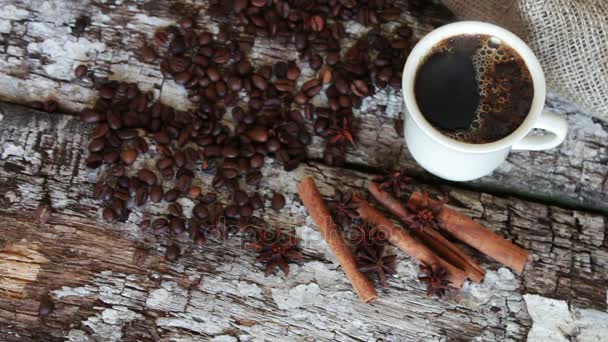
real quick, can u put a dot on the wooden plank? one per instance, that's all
(41, 48)
(111, 282)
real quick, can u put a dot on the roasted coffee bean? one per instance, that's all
(277, 202)
(96, 145)
(163, 163)
(253, 177)
(194, 192)
(273, 145)
(359, 88)
(332, 58)
(171, 195)
(183, 183)
(127, 134)
(175, 209)
(229, 173)
(301, 98)
(141, 196)
(239, 5)
(200, 211)
(293, 72)
(128, 156)
(182, 77)
(311, 87)
(179, 64)
(291, 165)
(284, 85)
(114, 119)
(159, 225)
(342, 86)
(317, 23)
(246, 211)
(167, 174)
(162, 137)
(177, 225)
(91, 116)
(258, 134)
(81, 71)
(172, 253)
(243, 164)
(259, 82)
(106, 93)
(213, 74)
(235, 83)
(156, 194)
(101, 130)
(231, 211)
(257, 161)
(244, 67)
(390, 14)
(230, 152)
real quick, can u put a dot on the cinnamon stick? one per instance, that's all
(310, 196)
(438, 243)
(479, 237)
(407, 243)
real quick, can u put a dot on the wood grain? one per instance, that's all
(111, 281)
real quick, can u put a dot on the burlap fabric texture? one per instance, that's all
(569, 37)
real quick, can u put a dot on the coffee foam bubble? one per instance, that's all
(490, 52)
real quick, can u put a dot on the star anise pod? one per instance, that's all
(435, 279)
(362, 233)
(276, 250)
(395, 182)
(426, 213)
(340, 132)
(343, 207)
(371, 259)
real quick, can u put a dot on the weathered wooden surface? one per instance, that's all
(40, 50)
(110, 282)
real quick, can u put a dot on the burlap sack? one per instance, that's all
(569, 37)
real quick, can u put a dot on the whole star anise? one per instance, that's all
(426, 213)
(395, 182)
(343, 207)
(362, 233)
(435, 279)
(276, 250)
(371, 259)
(340, 132)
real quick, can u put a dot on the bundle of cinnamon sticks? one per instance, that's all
(426, 219)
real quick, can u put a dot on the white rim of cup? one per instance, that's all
(424, 46)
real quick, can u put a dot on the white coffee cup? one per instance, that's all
(460, 161)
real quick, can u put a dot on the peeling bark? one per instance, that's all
(111, 282)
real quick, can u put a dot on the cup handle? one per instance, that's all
(550, 122)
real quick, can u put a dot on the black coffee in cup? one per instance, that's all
(474, 88)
